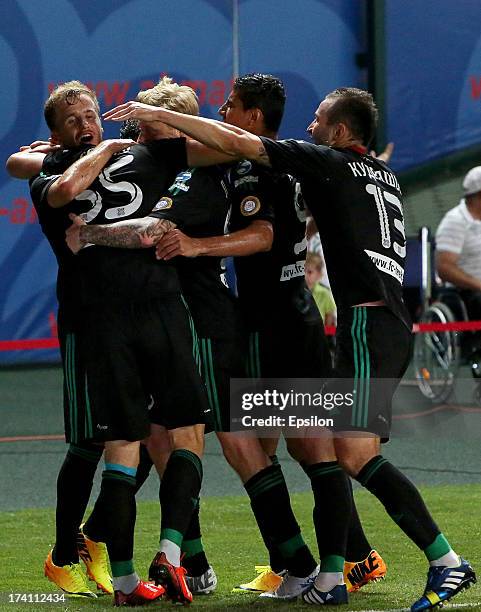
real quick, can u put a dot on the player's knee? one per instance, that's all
(190, 438)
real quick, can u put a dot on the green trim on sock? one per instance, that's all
(291, 546)
(122, 568)
(92, 456)
(192, 547)
(321, 471)
(268, 482)
(332, 563)
(172, 535)
(372, 470)
(438, 548)
(190, 456)
(110, 475)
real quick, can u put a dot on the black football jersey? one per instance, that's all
(356, 202)
(128, 188)
(272, 281)
(198, 203)
(54, 222)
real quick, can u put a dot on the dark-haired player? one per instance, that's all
(357, 204)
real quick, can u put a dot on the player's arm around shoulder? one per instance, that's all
(84, 171)
(27, 162)
(230, 140)
(24, 164)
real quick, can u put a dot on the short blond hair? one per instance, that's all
(314, 260)
(172, 96)
(70, 93)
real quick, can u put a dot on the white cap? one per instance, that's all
(472, 181)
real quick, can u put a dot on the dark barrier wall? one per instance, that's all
(433, 78)
(119, 47)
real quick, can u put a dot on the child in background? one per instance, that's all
(322, 294)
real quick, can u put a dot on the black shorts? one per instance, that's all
(221, 360)
(288, 347)
(139, 352)
(373, 351)
(76, 404)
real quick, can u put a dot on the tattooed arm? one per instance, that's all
(130, 234)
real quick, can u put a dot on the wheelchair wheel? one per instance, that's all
(436, 355)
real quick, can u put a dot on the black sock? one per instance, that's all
(401, 499)
(115, 511)
(74, 485)
(179, 494)
(143, 470)
(194, 558)
(278, 526)
(358, 547)
(332, 507)
(276, 560)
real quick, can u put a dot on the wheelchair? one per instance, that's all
(438, 355)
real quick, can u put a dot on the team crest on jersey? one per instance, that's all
(249, 206)
(244, 167)
(163, 204)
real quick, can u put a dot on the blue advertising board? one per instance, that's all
(118, 47)
(432, 78)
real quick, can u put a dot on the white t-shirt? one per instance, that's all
(459, 233)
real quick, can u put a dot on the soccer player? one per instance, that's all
(73, 116)
(121, 298)
(357, 204)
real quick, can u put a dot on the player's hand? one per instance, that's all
(115, 145)
(72, 235)
(385, 156)
(132, 110)
(40, 146)
(176, 243)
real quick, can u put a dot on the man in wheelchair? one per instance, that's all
(458, 258)
(458, 265)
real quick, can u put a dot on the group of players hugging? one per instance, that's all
(151, 335)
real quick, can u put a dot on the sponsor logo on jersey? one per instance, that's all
(181, 180)
(246, 179)
(293, 270)
(249, 206)
(244, 167)
(387, 265)
(163, 204)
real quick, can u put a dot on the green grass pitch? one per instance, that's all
(234, 547)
